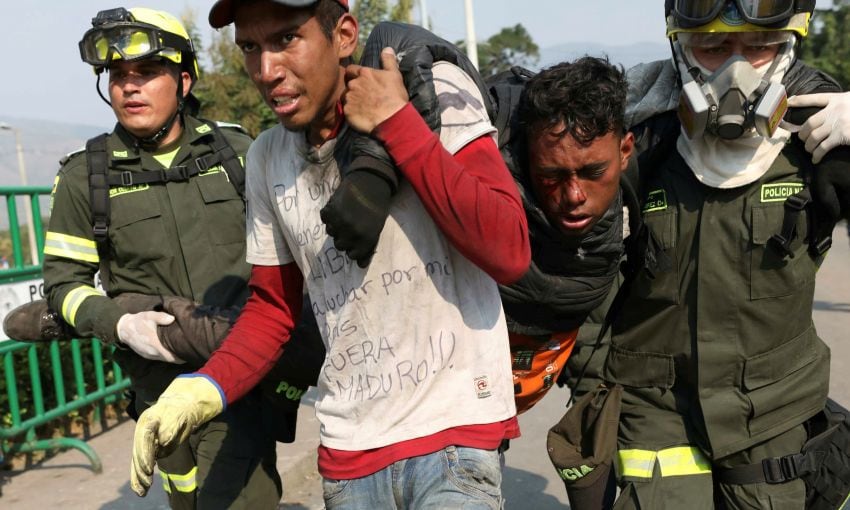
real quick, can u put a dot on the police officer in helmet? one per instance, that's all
(129, 44)
(715, 345)
(155, 207)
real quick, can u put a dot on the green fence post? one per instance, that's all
(97, 356)
(35, 379)
(37, 225)
(15, 231)
(78, 367)
(58, 379)
(12, 388)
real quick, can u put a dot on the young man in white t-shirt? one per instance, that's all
(416, 394)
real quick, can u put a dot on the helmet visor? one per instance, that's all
(694, 13)
(129, 42)
(707, 40)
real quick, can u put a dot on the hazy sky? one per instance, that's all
(43, 77)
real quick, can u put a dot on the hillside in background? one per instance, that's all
(628, 56)
(44, 143)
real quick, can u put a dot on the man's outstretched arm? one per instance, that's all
(246, 355)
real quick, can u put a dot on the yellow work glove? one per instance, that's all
(187, 403)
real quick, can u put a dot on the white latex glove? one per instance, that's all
(828, 128)
(138, 332)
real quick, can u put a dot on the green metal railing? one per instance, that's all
(96, 382)
(20, 270)
(20, 436)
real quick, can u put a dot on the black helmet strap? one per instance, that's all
(151, 142)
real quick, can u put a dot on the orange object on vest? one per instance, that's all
(536, 362)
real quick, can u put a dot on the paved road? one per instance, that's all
(66, 482)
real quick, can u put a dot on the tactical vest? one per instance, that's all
(101, 181)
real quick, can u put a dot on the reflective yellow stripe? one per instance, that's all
(183, 483)
(165, 485)
(636, 463)
(73, 301)
(70, 247)
(677, 461)
(683, 460)
(844, 505)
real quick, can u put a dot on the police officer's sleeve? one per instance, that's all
(71, 259)
(198, 330)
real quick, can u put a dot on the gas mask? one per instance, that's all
(730, 101)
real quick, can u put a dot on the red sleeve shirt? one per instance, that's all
(471, 196)
(473, 199)
(254, 343)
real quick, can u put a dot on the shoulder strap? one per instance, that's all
(100, 182)
(98, 165)
(222, 154)
(228, 159)
(819, 236)
(794, 205)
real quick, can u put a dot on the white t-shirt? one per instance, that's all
(416, 343)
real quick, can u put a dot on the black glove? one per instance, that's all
(830, 177)
(831, 183)
(356, 212)
(355, 221)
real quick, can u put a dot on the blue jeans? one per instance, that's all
(454, 477)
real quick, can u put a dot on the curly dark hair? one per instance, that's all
(588, 96)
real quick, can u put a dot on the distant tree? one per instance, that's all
(828, 46)
(369, 13)
(225, 91)
(402, 11)
(223, 88)
(511, 46)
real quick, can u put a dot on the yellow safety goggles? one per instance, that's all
(129, 41)
(717, 39)
(694, 13)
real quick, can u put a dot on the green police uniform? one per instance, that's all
(585, 364)
(183, 238)
(715, 344)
